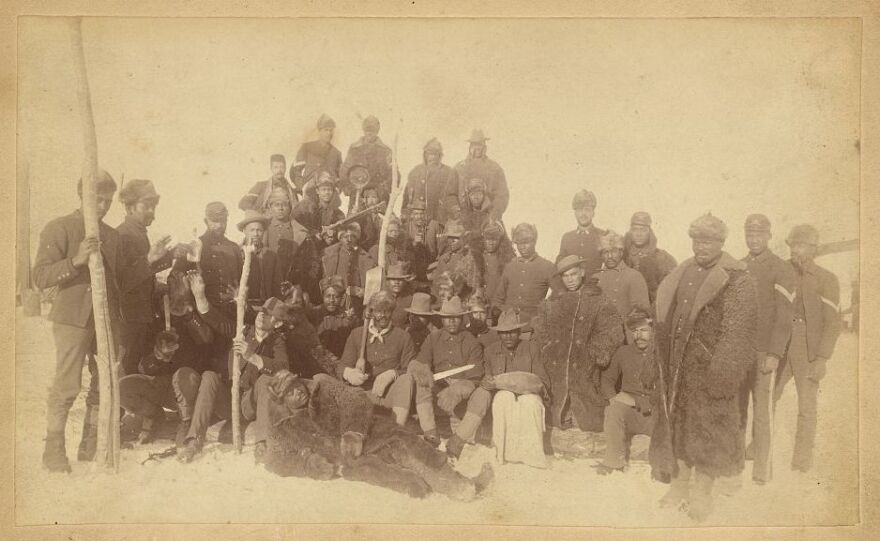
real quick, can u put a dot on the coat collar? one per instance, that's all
(715, 281)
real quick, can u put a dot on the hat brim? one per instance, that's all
(407, 278)
(242, 224)
(509, 328)
(444, 314)
(569, 267)
(418, 312)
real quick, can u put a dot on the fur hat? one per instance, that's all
(757, 223)
(609, 241)
(493, 230)
(352, 227)
(335, 282)
(708, 227)
(382, 300)
(525, 231)
(279, 194)
(641, 218)
(803, 233)
(638, 316)
(326, 122)
(434, 146)
(325, 179)
(583, 198)
(476, 184)
(216, 211)
(138, 190)
(371, 124)
(277, 158)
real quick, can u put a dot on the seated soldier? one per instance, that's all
(448, 348)
(629, 411)
(421, 319)
(515, 371)
(322, 210)
(424, 235)
(398, 248)
(333, 320)
(381, 371)
(397, 282)
(263, 352)
(322, 429)
(347, 260)
(258, 196)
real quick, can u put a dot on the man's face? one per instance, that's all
(573, 278)
(451, 324)
(757, 241)
(393, 232)
(802, 253)
(453, 243)
(395, 285)
(144, 212)
(509, 339)
(444, 292)
(640, 234)
(103, 203)
(476, 198)
(612, 257)
(382, 318)
(349, 239)
(216, 227)
(491, 244)
(417, 216)
(253, 234)
(706, 250)
(584, 215)
(325, 194)
(454, 211)
(332, 300)
(278, 170)
(478, 150)
(325, 135)
(371, 197)
(525, 246)
(478, 315)
(280, 209)
(432, 157)
(370, 135)
(642, 336)
(266, 322)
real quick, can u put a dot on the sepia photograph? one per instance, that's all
(593, 272)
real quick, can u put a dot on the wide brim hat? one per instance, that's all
(399, 271)
(452, 308)
(569, 262)
(508, 326)
(421, 305)
(274, 307)
(251, 216)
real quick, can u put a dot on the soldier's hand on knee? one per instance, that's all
(382, 381)
(769, 364)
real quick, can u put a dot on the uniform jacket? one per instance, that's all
(774, 279)
(440, 182)
(268, 279)
(138, 276)
(626, 287)
(312, 158)
(332, 329)
(631, 371)
(443, 351)
(526, 358)
(272, 350)
(492, 174)
(53, 267)
(523, 285)
(221, 263)
(583, 243)
(819, 291)
(578, 332)
(257, 198)
(652, 262)
(376, 157)
(394, 353)
(703, 361)
(284, 238)
(194, 338)
(337, 261)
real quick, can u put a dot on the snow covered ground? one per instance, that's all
(224, 487)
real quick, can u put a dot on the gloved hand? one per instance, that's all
(354, 376)
(769, 364)
(488, 383)
(447, 400)
(421, 373)
(817, 369)
(382, 381)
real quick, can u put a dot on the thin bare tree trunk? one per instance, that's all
(108, 410)
(241, 306)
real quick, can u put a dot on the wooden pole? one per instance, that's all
(108, 410)
(241, 306)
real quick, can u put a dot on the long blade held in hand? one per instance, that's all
(452, 371)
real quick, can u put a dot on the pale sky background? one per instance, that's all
(676, 117)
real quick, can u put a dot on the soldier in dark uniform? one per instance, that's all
(62, 262)
(258, 196)
(478, 165)
(424, 235)
(221, 259)
(141, 262)
(814, 331)
(333, 320)
(430, 182)
(264, 280)
(370, 152)
(285, 235)
(316, 156)
(525, 280)
(349, 261)
(641, 253)
(584, 240)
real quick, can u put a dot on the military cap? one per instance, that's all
(476, 185)
(641, 218)
(434, 146)
(477, 136)
(335, 282)
(638, 316)
(251, 216)
(351, 227)
(325, 179)
(279, 194)
(493, 230)
(525, 231)
(277, 158)
(609, 241)
(568, 262)
(371, 124)
(758, 223)
(104, 183)
(583, 198)
(803, 233)
(326, 122)
(216, 211)
(382, 300)
(454, 229)
(708, 227)
(138, 190)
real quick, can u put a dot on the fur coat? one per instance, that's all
(701, 373)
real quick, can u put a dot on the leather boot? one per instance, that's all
(190, 450)
(468, 426)
(88, 445)
(54, 454)
(679, 488)
(182, 431)
(701, 497)
(454, 446)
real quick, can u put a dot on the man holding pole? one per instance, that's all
(62, 262)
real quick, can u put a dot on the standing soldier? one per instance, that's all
(62, 262)
(430, 182)
(258, 197)
(284, 235)
(316, 156)
(525, 280)
(775, 281)
(578, 330)
(141, 262)
(458, 257)
(583, 241)
(641, 253)
(814, 331)
(706, 320)
(424, 234)
(478, 165)
(221, 259)
(398, 248)
(369, 151)
(623, 285)
(264, 280)
(497, 253)
(349, 261)
(477, 210)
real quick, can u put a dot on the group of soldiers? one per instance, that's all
(612, 336)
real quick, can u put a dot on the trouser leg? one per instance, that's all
(615, 434)
(72, 346)
(503, 406)
(141, 395)
(530, 430)
(399, 397)
(425, 408)
(208, 396)
(807, 392)
(260, 399)
(477, 406)
(185, 383)
(132, 344)
(761, 430)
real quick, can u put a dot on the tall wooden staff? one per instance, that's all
(108, 409)
(241, 306)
